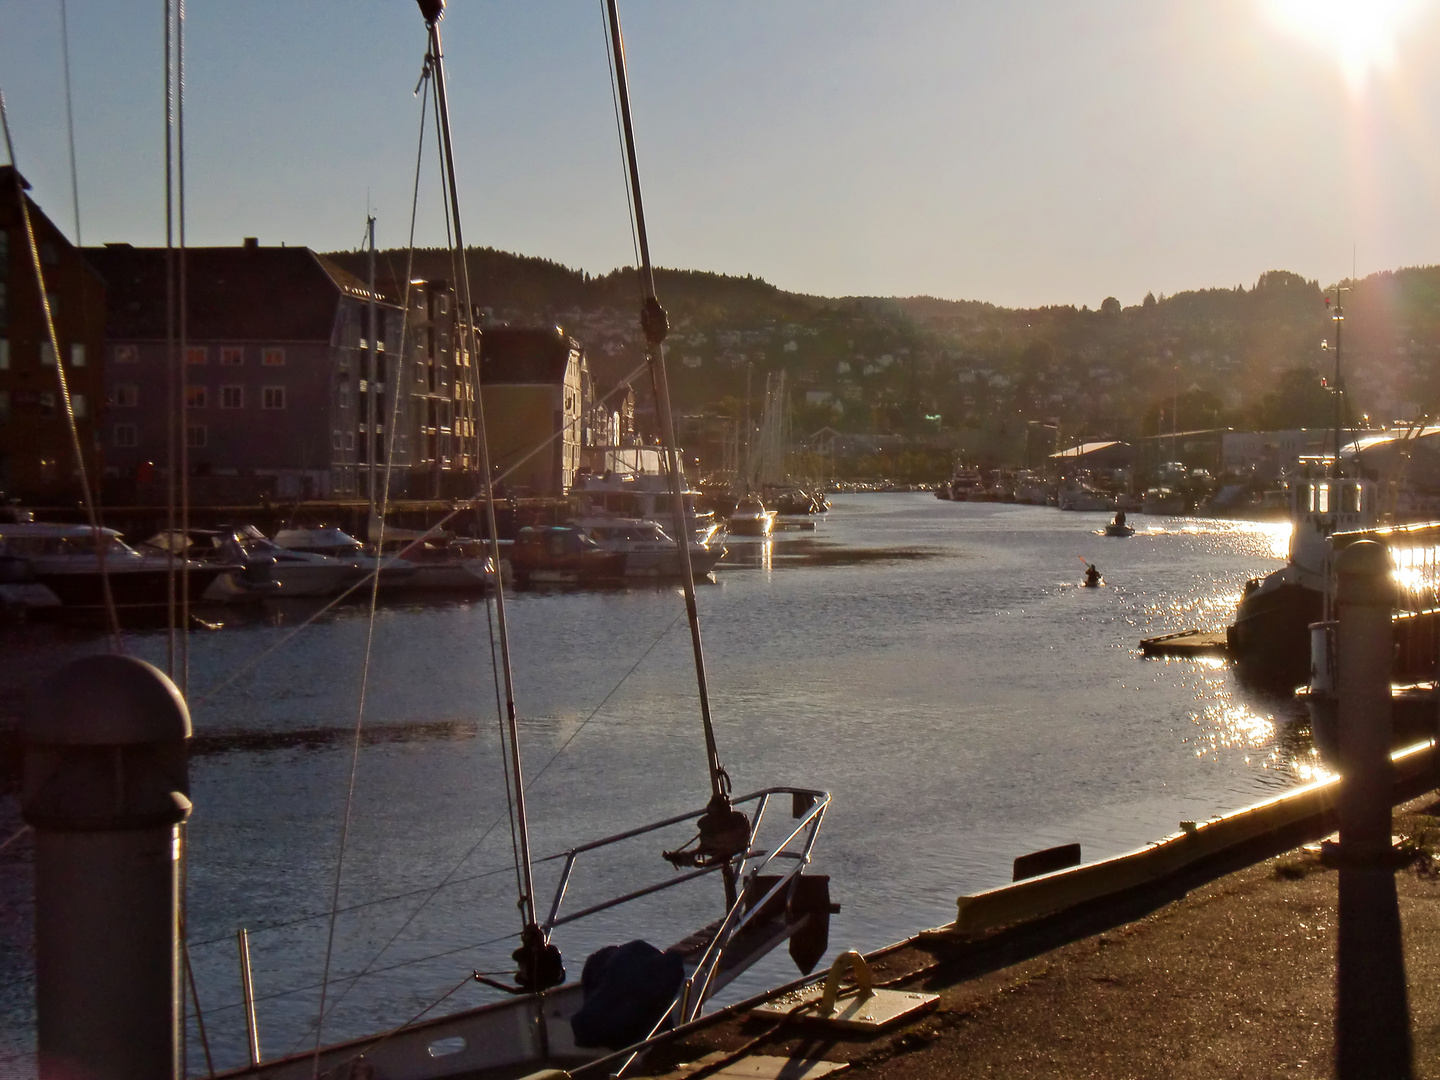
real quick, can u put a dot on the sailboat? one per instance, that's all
(746, 845)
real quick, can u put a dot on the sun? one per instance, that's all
(1359, 34)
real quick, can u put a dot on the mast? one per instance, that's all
(724, 831)
(370, 363)
(539, 965)
(1337, 316)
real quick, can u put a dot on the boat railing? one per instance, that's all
(786, 859)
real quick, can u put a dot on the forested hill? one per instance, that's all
(1239, 356)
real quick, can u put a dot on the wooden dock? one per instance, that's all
(1187, 643)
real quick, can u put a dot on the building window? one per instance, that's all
(349, 440)
(78, 406)
(47, 404)
(4, 350)
(47, 355)
(4, 397)
(344, 396)
(4, 299)
(272, 397)
(272, 357)
(124, 434)
(197, 355)
(77, 355)
(195, 435)
(232, 397)
(127, 395)
(53, 300)
(335, 440)
(195, 397)
(127, 354)
(232, 356)
(49, 254)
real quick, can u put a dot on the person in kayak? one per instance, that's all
(1092, 576)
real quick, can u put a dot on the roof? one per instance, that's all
(1087, 448)
(526, 355)
(233, 293)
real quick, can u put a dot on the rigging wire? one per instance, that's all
(53, 338)
(619, 132)
(170, 376)
(70, 119)
(447, 880)
(184, 434)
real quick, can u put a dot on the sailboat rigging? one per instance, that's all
(605, 1022)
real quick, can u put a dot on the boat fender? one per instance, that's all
(654, 321)
(538, 965)
(626, 989)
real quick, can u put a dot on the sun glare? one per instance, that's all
(1359, 34)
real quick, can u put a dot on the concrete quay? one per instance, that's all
(1213, 974)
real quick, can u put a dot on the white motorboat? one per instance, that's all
(648, 549)
(298, 573)
(1084, 498)
(68, 560)
(345, 549)
(751, 518)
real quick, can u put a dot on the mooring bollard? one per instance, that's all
(105, 785)
(1372, 1015)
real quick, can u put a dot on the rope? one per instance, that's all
(620, 132)
(374, 344)
(364, 974)
(229, 939)
(16, 835)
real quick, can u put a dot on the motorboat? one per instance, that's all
(254, 579)
(1084, 498)
(297, 573)
(21, 590)
(443, 562)
(637, 492)
(1164, 502)
(562, 555)
(344, 548)
(1271, 632)
(1119, 527)
(648, 549)
(79, 565)
(750, 518)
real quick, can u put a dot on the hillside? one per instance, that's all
(920, 365)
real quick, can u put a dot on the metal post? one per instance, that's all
(1372, 1017)
(105, 786)
(247, 994)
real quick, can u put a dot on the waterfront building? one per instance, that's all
(536, 389)
(271, 382)
(37, 457)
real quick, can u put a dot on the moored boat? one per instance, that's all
(648, 549)
(751, 518)
(78, 570)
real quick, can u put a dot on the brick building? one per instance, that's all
(37, 458)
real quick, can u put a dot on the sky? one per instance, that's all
(1026, 152)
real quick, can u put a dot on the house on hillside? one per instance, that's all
(37, 455)
(535, 389)
(271, 398)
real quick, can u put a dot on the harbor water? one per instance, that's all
(934, 665)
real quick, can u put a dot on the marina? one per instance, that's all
(904, 655)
